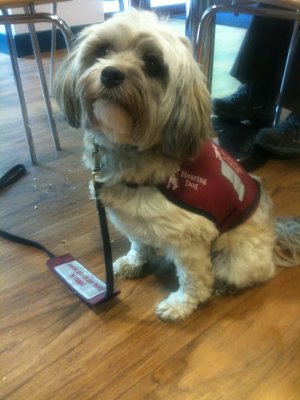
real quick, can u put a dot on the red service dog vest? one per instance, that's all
(214, 185)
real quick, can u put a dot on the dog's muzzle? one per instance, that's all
(112, 77)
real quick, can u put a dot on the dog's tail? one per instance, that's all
(287, 248)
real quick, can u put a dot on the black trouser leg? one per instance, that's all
(261, 58)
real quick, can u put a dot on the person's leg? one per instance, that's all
(259, 67)
(261, 58)
(284, 140)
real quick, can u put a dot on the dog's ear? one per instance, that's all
(65, 91)
(189, 124)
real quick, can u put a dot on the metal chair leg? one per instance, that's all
(30, 10)
(53, 50)
(17, 76)
(194, 10)
(211, 45)
(286, 72)
(204, 50)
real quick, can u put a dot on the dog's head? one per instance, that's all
(134, 80)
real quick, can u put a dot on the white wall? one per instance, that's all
(75, 12)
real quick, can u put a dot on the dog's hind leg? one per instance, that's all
(130, 266)
(244, 256)
(195, 285)
(242, 260)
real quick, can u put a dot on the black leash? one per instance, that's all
(106, 291)
(103, 225)
(110, 291)
(12, 176)
(26, 242)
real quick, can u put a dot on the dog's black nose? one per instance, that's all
(112, 77)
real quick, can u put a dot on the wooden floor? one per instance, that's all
(54, 347)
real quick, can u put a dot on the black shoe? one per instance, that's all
(283, 141)
(239, 140)
(247, 103)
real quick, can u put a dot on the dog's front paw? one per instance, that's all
(176, 307)
(125, 269)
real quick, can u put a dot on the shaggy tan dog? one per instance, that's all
(134, 87)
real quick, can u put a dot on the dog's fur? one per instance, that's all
(158, 116)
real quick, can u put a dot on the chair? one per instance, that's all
(202, 28)
(30, 17)
(194, 11)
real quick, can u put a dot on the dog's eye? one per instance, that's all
(103, 51)
(153, 65)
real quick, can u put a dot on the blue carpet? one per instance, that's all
(24, 46)
(229, 19)
(238, 21)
